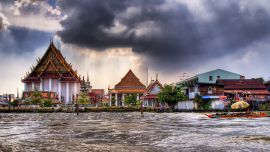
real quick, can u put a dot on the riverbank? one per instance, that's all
(72, 109)
(96, 109)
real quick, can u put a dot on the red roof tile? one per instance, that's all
(242, 84)
(129, 81)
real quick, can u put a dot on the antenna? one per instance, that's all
(183, 77)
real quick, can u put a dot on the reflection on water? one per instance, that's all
(131, 132)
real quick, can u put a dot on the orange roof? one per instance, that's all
(129, 91)
(130, 82)
(52, 62)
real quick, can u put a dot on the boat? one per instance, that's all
(239, 115)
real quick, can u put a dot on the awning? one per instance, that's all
(210, 97)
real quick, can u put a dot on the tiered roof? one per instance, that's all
(130, 83)
(52, 65)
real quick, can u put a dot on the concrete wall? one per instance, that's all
(187, 105)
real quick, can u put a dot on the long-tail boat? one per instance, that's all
(239, 115)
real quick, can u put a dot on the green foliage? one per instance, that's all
(36, 98)
(171, 94)
(83, 98)
(203, 104)
(47, 103)
(130, 99)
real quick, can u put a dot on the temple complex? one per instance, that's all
(53, 77)
(129, 84)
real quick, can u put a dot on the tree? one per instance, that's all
(83, 98)
(171, 94)
(130, 99)
(204, 104)
(113, 101)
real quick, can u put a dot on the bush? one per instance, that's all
(47, 103)
(203, 104)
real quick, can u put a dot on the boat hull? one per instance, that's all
(239, 115)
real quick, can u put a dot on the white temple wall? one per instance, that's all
(71, 92)
(45, 84)
(54, 87)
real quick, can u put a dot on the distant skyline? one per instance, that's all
(107, 38)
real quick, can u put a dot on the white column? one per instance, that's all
(50, 84)
(40, 85)
(110, 99)
(116, 100)
(138, 96)
(33, 85)
(67, 92)
(75, 88)
(123, 99)
(59, 90)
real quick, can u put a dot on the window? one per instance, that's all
(210, 78)
(218, 77)
(210, 91)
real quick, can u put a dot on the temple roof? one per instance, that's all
(52, 65)
(153, 84)
(130, 82)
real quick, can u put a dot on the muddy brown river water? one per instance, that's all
(67, 132)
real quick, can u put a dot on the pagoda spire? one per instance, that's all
(87, 77)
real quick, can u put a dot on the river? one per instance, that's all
(67, 132)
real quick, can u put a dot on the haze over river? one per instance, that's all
(67, 132)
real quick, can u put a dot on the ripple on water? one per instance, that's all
(131, 132)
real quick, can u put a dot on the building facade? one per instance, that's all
(247, 89)
(53, 77)
(205, 84)
(150, 99)
(128, 85)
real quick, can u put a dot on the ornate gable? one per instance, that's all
(153, 85)
(52, 63)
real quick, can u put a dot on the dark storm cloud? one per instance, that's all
(172, 37)
(22, 40)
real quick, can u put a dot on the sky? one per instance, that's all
(106, 38)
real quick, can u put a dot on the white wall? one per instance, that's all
(187, 105)
(217, 104)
